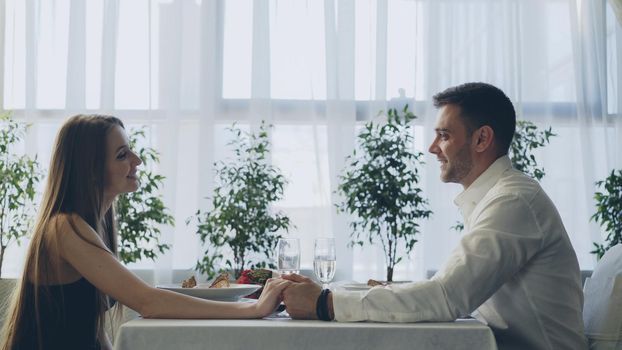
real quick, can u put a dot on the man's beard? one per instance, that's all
(459, 167)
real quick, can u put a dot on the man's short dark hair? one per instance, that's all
(482, 104)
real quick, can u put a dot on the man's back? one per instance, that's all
(539, 305)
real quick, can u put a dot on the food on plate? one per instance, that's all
(257, 276)
(189, 283)
(221, 281)
(373, 283)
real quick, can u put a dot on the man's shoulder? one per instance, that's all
(518, 193)
(514, 183)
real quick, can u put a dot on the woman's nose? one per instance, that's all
(137, 160)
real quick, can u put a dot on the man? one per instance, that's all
(515, 266)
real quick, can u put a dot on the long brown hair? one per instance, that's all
(75, 185)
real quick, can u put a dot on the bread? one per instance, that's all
(221, 281)
(189, 283)
(373, 283)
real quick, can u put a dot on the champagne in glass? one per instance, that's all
(288, 255)
(325, 260)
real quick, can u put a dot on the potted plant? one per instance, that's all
(19, 176)
(609, 211)
(380, 187)
(527, 138)
(141, 213)
(241, 219)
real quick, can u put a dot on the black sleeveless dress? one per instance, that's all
(67, 318)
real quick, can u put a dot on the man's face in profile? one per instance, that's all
(452, 145)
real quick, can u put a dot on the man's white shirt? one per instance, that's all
(515, 267)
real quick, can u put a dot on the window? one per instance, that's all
(186, 70)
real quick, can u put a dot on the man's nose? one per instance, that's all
(433, 148)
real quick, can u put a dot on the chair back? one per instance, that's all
(602, 309)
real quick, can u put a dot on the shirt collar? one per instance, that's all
(468, 199)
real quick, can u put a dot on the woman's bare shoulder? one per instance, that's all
(71, 226)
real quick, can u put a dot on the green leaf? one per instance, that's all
(527, 138)
(609, 211)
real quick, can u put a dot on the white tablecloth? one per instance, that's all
(287, 334)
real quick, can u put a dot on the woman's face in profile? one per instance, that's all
(121, 164)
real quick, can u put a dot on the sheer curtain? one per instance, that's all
(186, 70)
(616, 6)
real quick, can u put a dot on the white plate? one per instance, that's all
(233, 293)
(356, 286)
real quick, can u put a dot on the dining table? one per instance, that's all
(279, 332)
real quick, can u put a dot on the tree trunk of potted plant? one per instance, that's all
(389, 274)
(238, 263)
(1, 259)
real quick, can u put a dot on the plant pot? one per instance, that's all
(7, 286)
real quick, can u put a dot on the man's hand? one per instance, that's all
(300, 297)
(270, 296)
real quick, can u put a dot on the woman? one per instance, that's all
(71, 265)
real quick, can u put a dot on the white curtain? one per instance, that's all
(186, 70)
(616, 6)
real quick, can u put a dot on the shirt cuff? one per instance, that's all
(348, 306)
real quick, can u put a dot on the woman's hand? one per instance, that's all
(271, 296)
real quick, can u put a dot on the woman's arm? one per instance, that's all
(90, 257)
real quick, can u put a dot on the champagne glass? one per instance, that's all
(324, 260)
(288, 255)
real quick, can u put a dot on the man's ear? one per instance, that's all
(483, 138)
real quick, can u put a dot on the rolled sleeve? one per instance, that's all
(412, 302)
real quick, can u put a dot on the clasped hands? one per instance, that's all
(300, 297)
